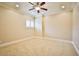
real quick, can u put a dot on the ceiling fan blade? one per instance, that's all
(44, 9)
(42, 3)
(38, 11)
(31, 3)
(31, 9)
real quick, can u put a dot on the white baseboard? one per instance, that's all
(65, 41)
(13, 42)
(20, 40)
(76, 49)
(50, 38)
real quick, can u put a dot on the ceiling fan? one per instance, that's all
(38, 6)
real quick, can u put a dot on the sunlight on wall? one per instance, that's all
(38, 24)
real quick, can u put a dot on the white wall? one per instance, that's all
(59, 25)
(76, 26)
(12, 25)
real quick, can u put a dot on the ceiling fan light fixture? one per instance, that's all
(17, 5)
(37, 8)
(63, 6)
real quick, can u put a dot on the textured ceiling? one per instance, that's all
(53, 7)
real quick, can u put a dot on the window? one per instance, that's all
(29, 23)
(32, 24)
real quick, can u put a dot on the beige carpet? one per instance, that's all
(39, 47)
